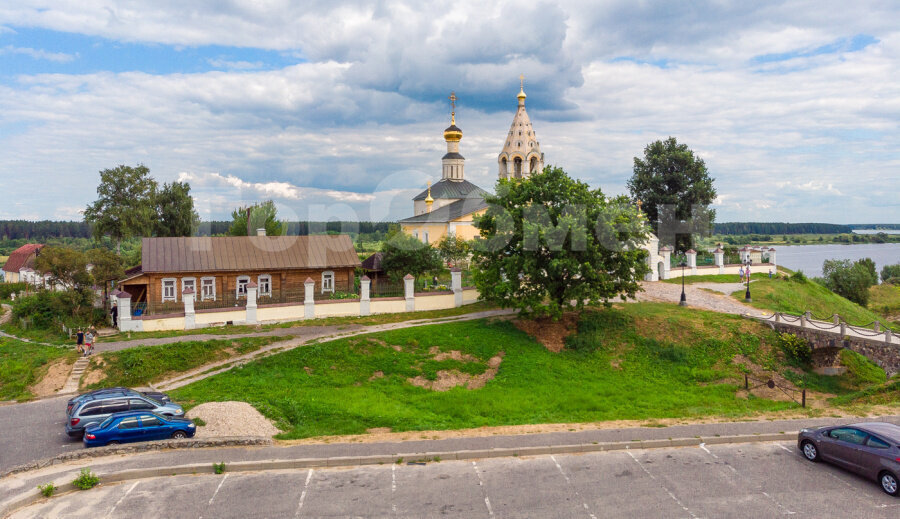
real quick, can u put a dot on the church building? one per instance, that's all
(449, 205)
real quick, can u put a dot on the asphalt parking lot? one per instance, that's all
(42, 424)
(738, 480)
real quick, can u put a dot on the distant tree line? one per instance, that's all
(42, 230)
(780, 228)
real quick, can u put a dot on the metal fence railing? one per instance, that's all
(384, 287)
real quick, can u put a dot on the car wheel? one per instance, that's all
(179, 435)
(888, 483)
(810, 451)
(114, 442)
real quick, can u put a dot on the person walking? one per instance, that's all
(88, 343)
(114, 312)
(79, 341)
(747, 273)
(741, 273)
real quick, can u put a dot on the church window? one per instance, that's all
(533, 167)
(518, 165)
(520, 133)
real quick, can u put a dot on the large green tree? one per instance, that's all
(403, 254)
(175, 210)
(453, 249)
(125, 206)
(675, 190)
(263, 215)
(550, 243)
(849, 279)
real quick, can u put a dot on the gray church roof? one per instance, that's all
(449, 212)
(445, 188)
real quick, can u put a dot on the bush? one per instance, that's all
(47, 308)
(799, 277)
(7, 289)
(849, 280)
(86, 479)
(219, 468)
(47, 490)
(891, 274)
(795, 348)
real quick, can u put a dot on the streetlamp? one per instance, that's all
(747, 298)
(683, 301)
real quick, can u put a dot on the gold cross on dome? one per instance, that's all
(522, 81)
(453, 100)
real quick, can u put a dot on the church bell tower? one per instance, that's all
(521, 155)
(453, 163)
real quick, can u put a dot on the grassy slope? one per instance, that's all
(711, 278)
(22, 364)
(327, 321)
(641, 361)
(885, 299)
(797, 297)
(143, 364)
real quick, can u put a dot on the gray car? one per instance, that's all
(869, 449)
(99, 408)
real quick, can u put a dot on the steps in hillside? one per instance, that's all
(72, 382)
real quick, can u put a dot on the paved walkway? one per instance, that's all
(657, 291)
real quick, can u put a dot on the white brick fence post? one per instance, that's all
(692, 261)
(252, 288)
(409, 292)
(666, 253)
(309, 302)
(187, 297)
(772, 258)
(125, 322)
(720, 259)
(456, 286)
(364, 299)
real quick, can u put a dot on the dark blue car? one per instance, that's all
(137, 426)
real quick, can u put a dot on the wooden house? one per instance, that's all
(220, 268)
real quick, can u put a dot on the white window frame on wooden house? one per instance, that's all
(169, 289)
(189, 282)
(208, 282)
(264, 282)
(328, 281)
(242, 281)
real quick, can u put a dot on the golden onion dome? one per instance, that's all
(452, 133)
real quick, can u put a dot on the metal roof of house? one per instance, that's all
(446, 188)
(230, 253)
(373, 262)
(21, 257)
(449, 212)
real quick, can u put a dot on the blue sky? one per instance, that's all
(337, 108)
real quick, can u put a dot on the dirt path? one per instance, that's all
(7, 314)
(328, 333)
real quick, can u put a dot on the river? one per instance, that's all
(809, 258)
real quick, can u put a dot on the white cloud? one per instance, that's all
(58, 57)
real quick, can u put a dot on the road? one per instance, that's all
(33, 430)
(738, 480)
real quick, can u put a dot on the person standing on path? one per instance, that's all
(79, 341)
(88, 344)
(741, 273)
(747, 273)
(114, 312)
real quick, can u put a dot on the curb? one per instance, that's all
(33, 495)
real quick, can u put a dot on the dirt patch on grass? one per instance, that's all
(437, 354)
(552, 334)
(448, 379)
(54, 380)
(231, 419)
(377, 374)
(94, 372)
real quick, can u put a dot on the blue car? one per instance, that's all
(137, 426)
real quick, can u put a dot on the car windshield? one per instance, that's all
(155, 401)
(106, 422)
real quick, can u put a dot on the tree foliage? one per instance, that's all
(891, 274)
(106, 267)
(125, 206)
(453, 249)
(670, 175)
(175, 214)
(403, 254)
(66, 267)
(549, 241)
(848, 279)
(262, 215)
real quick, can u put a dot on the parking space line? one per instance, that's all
(784, 448)
(703, 446)
(113, 509)
(784, 510)
(678, 501)
(393, 487)
(568, 482)
(487, 501)
(303, 494)
(217, 489)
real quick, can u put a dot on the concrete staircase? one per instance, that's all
(71, 385)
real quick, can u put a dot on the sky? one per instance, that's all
(335, 110)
